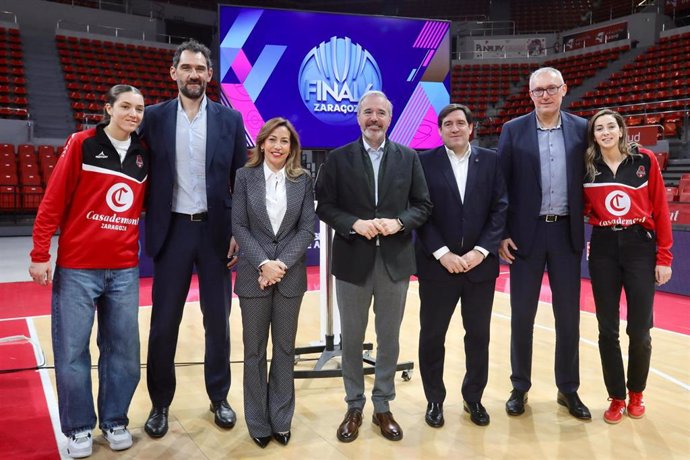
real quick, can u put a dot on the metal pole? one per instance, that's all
(329, 289)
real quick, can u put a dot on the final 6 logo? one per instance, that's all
(120, 197)
(333, 76)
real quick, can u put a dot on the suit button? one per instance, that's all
(275, 241)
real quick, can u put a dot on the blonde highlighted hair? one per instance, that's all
(293, 164)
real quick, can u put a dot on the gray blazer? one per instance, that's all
(252, 230)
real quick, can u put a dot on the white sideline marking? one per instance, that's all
(51, 402)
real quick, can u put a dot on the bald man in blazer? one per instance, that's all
(542, 157)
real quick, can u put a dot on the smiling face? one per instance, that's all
(192, 74)
(126, 114)
(276, 148)
(455, 131)
(607, 133)
(374, 118)
(547, 105)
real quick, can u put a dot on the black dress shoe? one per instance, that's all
(282, 438)
(576, 408)
(477, 412)
(224, 416)
(516, 403)
(157, 424)
(261, 441)
(434, 415)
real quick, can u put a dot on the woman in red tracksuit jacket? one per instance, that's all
(95, 196)
(625, 201)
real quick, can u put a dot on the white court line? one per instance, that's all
(594, 344)
(663, 375)
(51, 402)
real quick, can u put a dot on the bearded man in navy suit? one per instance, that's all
(457, 258)
(196, 146)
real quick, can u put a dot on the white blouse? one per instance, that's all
(276, 197)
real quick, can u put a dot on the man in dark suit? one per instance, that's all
(196, 147)
(457, 259)
(541, 154)
(372, 192)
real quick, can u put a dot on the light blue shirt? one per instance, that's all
(554, 178)
(189, 192)
(375, 156)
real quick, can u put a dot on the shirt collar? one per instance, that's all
(202, 107)
(368, 147)
(268, 173)
(541, 128)
(452, 155)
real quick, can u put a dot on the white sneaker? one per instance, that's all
(118, 437)
(80, 445)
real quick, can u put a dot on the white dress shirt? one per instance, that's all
(460, 164)
(375, 156)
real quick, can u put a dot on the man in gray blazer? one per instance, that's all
(372, 192)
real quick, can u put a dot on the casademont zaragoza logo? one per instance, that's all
(120, 197)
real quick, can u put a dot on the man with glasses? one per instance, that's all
(541, 154)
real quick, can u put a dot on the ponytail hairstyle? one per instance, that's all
(113, 94)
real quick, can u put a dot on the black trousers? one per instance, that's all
(189, 245)
(438, 301)
(620, 260)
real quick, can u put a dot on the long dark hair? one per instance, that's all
(114, 93)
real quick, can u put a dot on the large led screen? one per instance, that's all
(311, 68)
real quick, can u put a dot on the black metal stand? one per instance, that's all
(329, 350)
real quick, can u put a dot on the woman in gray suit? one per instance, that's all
(273, 223)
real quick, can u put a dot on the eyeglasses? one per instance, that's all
(551, 91)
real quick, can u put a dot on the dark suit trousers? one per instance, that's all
(269, 404)
(551, 249)
(188, 245)
(438, 302)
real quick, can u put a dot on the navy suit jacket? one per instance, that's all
(518, 150)
(345, 193)
(478, 221)
(226, 152)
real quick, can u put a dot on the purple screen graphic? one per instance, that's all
(311, 68)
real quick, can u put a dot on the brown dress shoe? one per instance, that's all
(349, 429)
(389, 427)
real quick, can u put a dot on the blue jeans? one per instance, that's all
(77, 295)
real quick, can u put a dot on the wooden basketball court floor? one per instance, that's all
(544, 431)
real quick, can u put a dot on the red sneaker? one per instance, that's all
(615, 412)
(636, 404)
